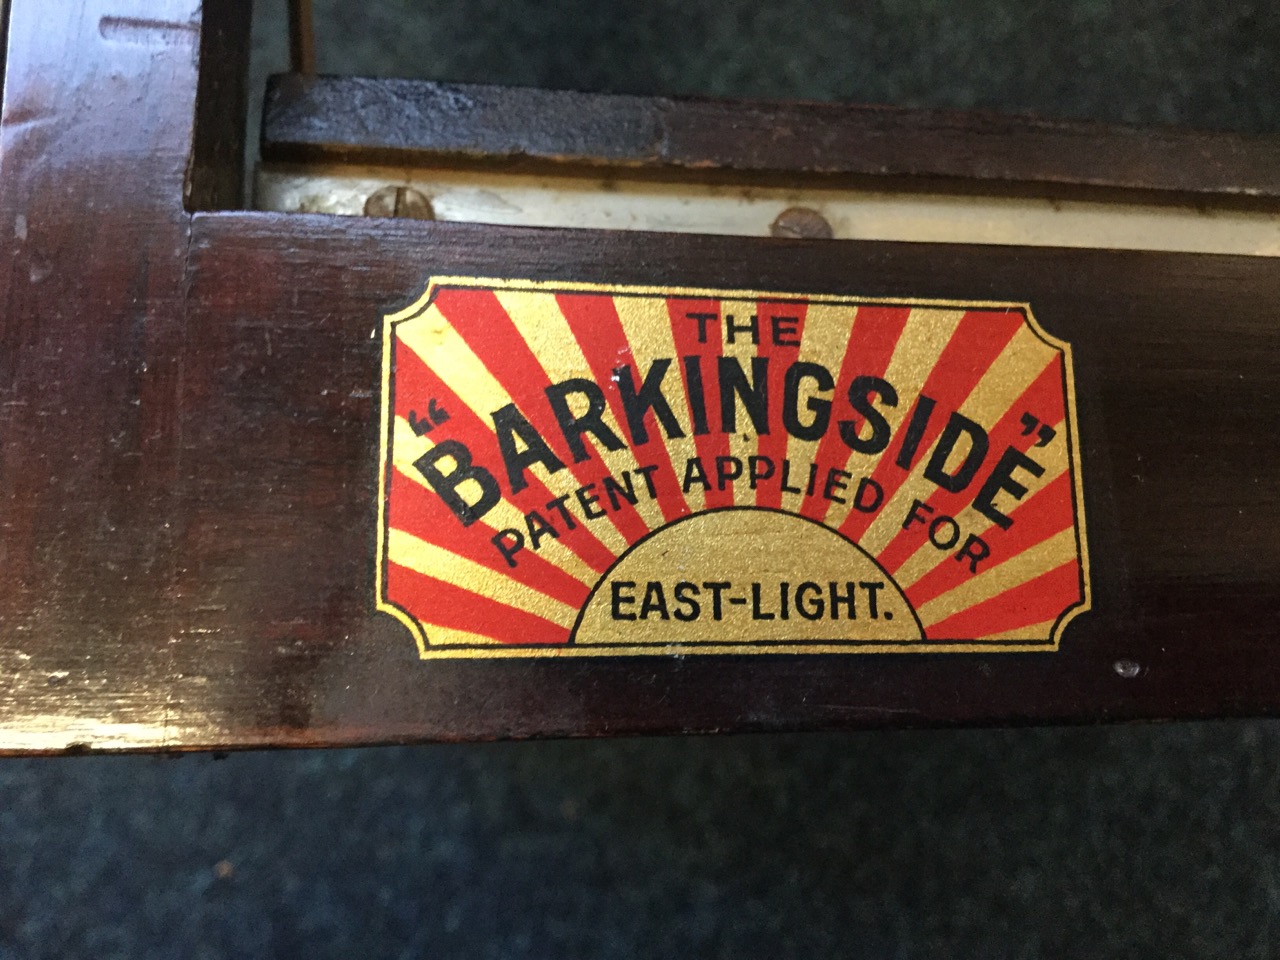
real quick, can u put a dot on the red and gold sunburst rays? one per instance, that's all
(733, 359)
(865, 339)
(993, 369)
(695, 329)
(1039, 546)
(537, 433)
(468, 356)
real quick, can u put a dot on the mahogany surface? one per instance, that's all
(189, 425)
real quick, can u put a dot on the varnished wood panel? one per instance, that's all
(1174, 395)
(92, 170)
(187, 475)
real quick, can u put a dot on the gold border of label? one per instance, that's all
(427, 652)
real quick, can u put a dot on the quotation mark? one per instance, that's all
(1047, 433)
(436, 415)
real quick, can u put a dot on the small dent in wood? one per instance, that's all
(1127, 668)
(146, 32)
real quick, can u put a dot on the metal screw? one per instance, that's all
(801, 223)
(403, 202)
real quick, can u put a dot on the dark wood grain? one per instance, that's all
(188, 467)
(405, 121)
(1176, 397)
(94, 149)
(216, 178)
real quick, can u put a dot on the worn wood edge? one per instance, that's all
(870, 721)
(5, 7)
(343, 231)
(356, 120)
(215, 175)
(98, 340)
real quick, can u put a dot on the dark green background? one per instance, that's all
(1195, 62)
(1157, 842)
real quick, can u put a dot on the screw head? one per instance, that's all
(404, 203)
(801, 223)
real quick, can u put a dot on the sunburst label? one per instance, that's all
(571, 469)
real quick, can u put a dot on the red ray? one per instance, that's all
(685, 334)
(460, 609)
(595, 324)
(415, 384)
(875, 335)
(481, 320)
(1043, 399)
(1040, 599)
(418, 511)
(1046, 512)
(973, 347)
(774, 444)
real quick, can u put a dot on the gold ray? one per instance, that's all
(646, 321)
(1027, 565)
(743, 442)
(925, 335)
(1034, 631)
(443, 349)
(438, 636)
(927, 556)
(426, 558)
(828, 328)
(540, 321)
(1016, 368)
(407, 446)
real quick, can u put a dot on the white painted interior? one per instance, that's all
(616, 202)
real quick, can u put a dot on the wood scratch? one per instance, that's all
(853, 708)
(141, 31)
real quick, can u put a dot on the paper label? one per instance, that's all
(570, 470)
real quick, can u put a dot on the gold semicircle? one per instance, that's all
(787, 579)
